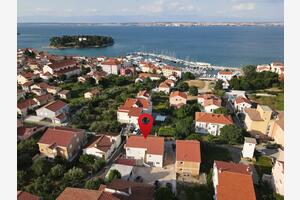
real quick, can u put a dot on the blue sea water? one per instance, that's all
(218, 45)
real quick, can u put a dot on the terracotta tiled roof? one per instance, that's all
(65, 92)
(56, 105)
(61, 64)
(213, 118)
(125, 161)
(111, 61)
(188, 150)
(164, 85)
(234, 182)
(21, 195)
(154, 145)
(26, 103)
(178, 93)
(139, 190)
(135, 102)
(28, 83)
(168, 67)
(135, 112)
(225, 72)
(145, 75)
(143, 93)
(210, 99)
(60, 136)
(44, 97)
(101, 142)
(84, 194)
(63, 71)
(241, 99)
(253, 114)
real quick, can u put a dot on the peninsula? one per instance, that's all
(81, 41)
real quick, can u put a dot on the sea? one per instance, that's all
(232, 46)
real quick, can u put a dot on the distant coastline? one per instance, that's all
(168, 24)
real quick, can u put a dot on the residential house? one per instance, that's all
(259, 121)
(164, 87)
(232, 181)
(97, 75)
(64, 94)
(178, 99)
(277, 131)
(148, 151)
(127, 71)
(118, 189)
(240, 103)
(209, 102)
(103, 145)
(91, 93)
(233, 94)
(170, 70)
(263, 67)
(24, 106)
(56, 111)
(143, 76)
(188, 157)
(278, 174)
(22, 195)
(44, 99)
(111, 66)
(129, 112)
(211, 123)
(249, 147)
(66, 67)
(53, 89)
(25, 77)
(62, 141)
(26, 86)
(225, 75)
(25, 132)
(144, 94)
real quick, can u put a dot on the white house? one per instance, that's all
(209, 102)
(170, 70)
(111, 66)
(240, 103)
(103, 145)
(57, 111)
(144, 94)
(164, 87)
(225, 75)
(249, 147)
(126, 171)
(211, 123)
(149, 151)
(129, 112)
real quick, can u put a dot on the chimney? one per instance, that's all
(220, 170)
(129, 191)
(249, 169)
(96, 145)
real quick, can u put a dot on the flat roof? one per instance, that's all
(250, 140)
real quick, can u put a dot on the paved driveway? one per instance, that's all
(163, 175)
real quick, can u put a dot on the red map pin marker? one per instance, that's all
(145, 123)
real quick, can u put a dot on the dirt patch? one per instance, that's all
(198, 83)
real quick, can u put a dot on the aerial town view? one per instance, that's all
(181, 110)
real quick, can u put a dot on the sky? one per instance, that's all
(103, 11)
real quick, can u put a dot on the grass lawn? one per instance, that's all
(210, 153)
(276, 103)
(263, 165)
(198, 83)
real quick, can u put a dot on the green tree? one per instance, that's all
(113, 174)
(40, 166)
(73, 178)
(24, 161)
(231, 134)
(28, 146)
(87, 159)
(62, 77)
(98, 164)
(164, 193)
(93, 184)
(41, 186)
(219, 85)
(183, 86)
(194, 136)
(193, 90)
(22, 178)
(222, 110)
(184, 127)
(90, 81)
(188, 76)
(57, 171)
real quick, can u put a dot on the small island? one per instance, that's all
(81, 41)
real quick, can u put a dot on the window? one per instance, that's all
(181, 162)
(157, 163)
